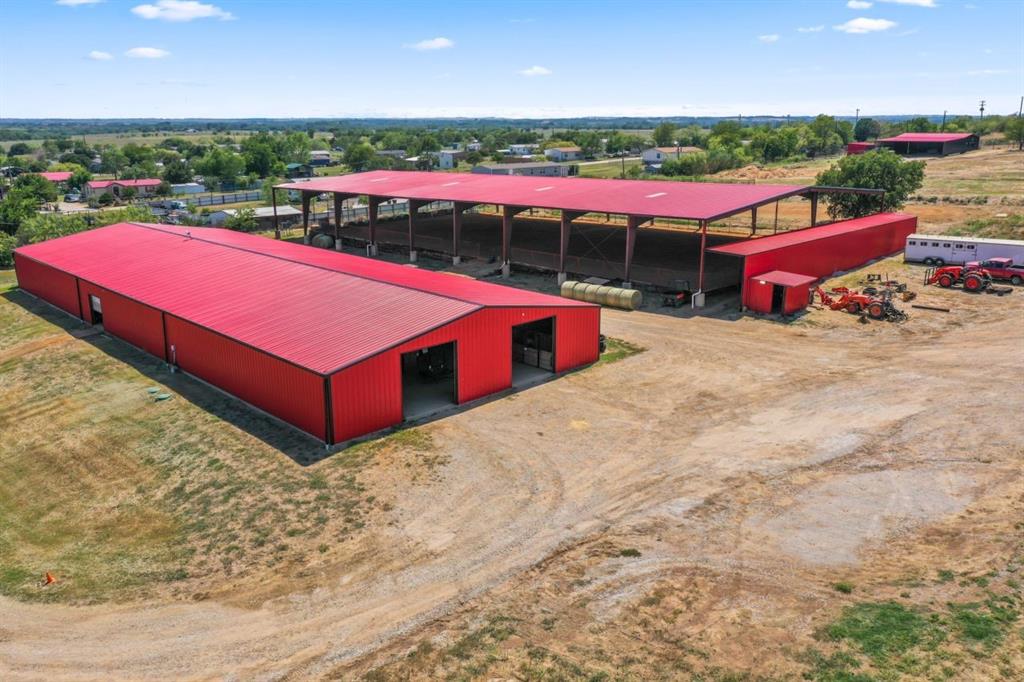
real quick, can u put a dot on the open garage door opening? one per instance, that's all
(533, 351)
(428, 381)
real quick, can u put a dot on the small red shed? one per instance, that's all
(779, 292)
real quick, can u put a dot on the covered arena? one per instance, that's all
(562, 240)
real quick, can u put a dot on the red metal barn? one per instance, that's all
(336, 345)
(822, 251)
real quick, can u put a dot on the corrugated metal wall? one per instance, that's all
(797, 298)
(284, 390)
(823, 257)
(367, 396)
(59, 288)
(137, 324)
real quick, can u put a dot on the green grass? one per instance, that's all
(881, 630)
(617, 349)
(121, 497)
(607, 169)
(1010, 227)
(844, 587)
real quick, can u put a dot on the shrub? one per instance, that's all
(7, 244)
(877, 169)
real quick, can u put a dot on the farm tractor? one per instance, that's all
(877, 306)
(973, 280)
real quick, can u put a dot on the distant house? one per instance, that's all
(144, 187)
(59, 178)
(298, 170)
(543, 168)
(319, 157)
(286, 216)
(659, 155)
(564, 153)
(448, 158)
(474, 146)
(392, 153)
(523, 149)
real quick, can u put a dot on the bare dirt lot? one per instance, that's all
(688, 509)
(724, 497)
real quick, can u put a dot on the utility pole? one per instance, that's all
(981, 108)
(856, 118)
(943, 120)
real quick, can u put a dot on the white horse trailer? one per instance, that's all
(943, 250)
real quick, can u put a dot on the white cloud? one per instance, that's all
(78, 3)
(865, 25)
(432, 44)
(536, 71)
(770, 38)
(100, 56)
(859, 4)
(915, 3)
(147, 53)
(180, 10)
(810, 29)
(988, 72)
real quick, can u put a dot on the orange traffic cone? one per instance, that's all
(49, 579)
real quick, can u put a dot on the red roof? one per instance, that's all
(927, 137)
(785, 279)
(56, 176)
(318, 309)
(141, 182)
(751, 247)
(664, 199)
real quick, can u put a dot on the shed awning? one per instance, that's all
(785, 279)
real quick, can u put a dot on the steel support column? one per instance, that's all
(507, 214)
(306, 196)
(814, 209)
(414, 207)
(337, 219)
(458, 208)
(563, 248)
(273, 200)
(371, 214)
(698, 298)
(753, 221)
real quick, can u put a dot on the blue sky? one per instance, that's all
(299, 58)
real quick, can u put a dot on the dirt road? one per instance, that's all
(791, 448)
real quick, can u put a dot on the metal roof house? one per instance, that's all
(338, 346)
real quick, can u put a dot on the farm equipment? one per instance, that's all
(973, 279)
(876, 306)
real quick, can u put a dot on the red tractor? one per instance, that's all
(854, 303)
(973, 280)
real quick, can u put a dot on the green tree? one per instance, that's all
(665, 134)
(358, 156)
(177, 171)
(244, 220)
(919, 124)
(7, 244)
(16, 207)
(728, 133)
(19, 149)
(877, 169)
(267, 186)
(79, 178)
(221, 165)
(1013, 128)
(867, 129)
(36, 186)
(41, 227)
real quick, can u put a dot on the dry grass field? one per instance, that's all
(723, 497)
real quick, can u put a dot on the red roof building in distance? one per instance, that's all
(931, 143)
(56, 176)
(142, 186)
(328, 342)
